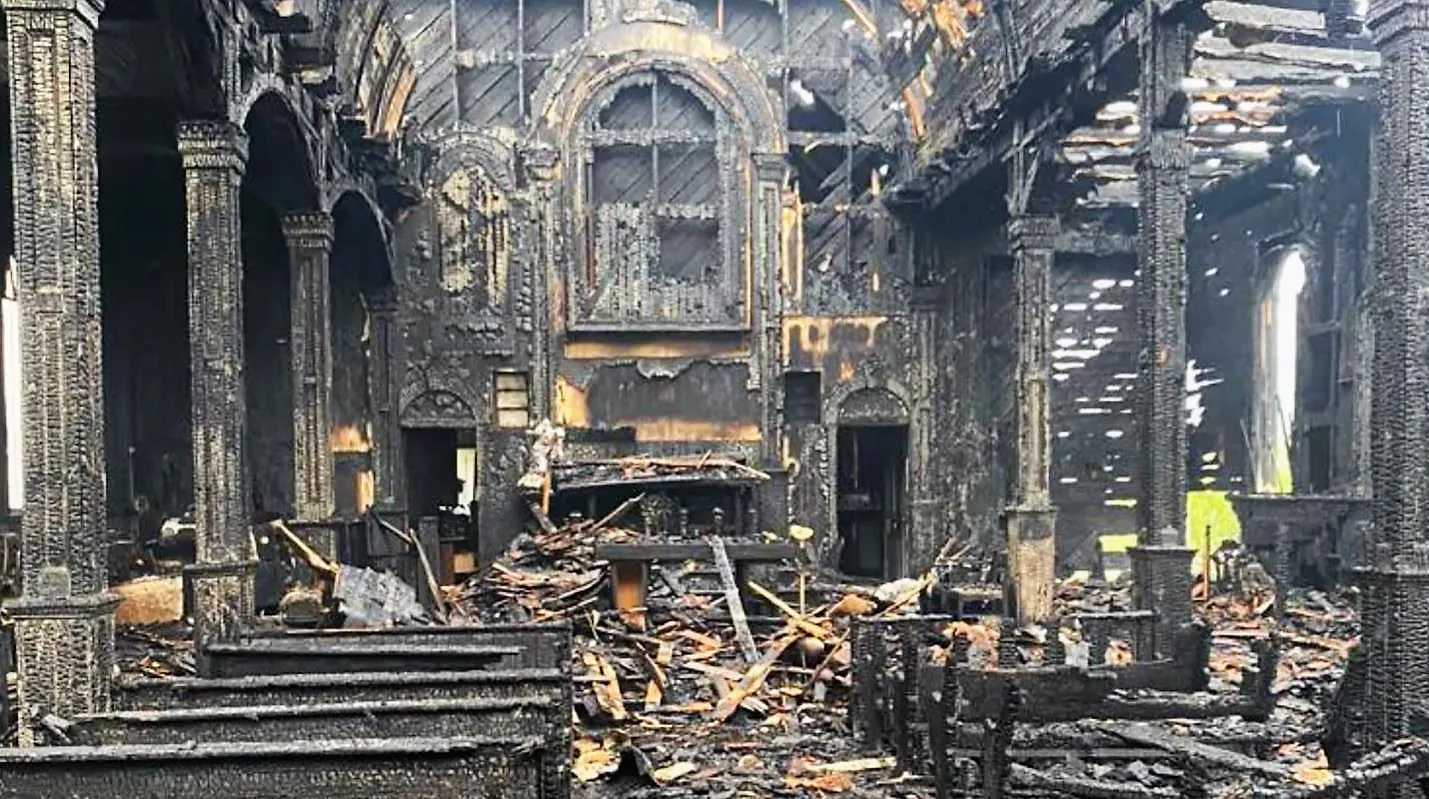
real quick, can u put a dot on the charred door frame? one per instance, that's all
(870, 404)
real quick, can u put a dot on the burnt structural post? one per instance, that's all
(1396, 576)
(1030, 518)
(64, 619)
(214, 155)
(1161, 563)
(384, 356)
(309, 238)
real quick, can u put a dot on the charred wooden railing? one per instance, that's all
(929, 712)
(888, 655)
(1185, 670)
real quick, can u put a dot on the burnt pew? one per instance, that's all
(480, 767)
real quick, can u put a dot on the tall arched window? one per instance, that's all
(658, 194)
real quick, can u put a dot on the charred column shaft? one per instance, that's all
(214, 155)
(1396, 582)
(388, 473)
(1162, 562)
(309, 237)
(64, 622)
(1031, 520)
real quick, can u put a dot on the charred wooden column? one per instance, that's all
(1030, 518)
(1396, 580)
(1161, 563)
(214, 156)
(925, 505)
(64, 620)
(309, 237)
(384, 356)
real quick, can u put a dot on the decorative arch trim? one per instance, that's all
(465, 148)
(869, 403)
(436, 408)
(612, 54)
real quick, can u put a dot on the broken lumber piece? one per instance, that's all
(1146, 735)
(736, 605)
(796, 619)
(312, 557)
(1083, 786)
(754, 678)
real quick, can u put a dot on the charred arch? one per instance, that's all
(360, 276)
(280, 180)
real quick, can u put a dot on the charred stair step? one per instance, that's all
(517, 716)
(420, 768)
(294, 689)
(540, 645)
(258, 656)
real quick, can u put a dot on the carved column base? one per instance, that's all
(65, 650)
(222, 601)
(1161, 581)
(1031, 563)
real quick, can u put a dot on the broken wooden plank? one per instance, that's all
(1082, 786)
(797, 619)
(1147, 735)
(731, 596)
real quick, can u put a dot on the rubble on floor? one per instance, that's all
(670, 704)
(676, 709)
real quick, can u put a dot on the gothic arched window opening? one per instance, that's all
(658, 183)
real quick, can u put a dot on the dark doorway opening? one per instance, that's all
(441, 485)
(872, 476)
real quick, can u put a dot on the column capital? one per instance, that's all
(86, 10)
(1389, 19)
(383, 300)
(770, 167)
(212, 145)
(1033, 232)
(308, 230)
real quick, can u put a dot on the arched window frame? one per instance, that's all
(612, 296)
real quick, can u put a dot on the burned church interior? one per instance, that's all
(568, 399)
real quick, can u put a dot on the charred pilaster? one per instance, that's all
(309, 238)
(1030, 518)
(385, 359)
(64, 619)
(769, 173)
(1162, 562)
(214, 155)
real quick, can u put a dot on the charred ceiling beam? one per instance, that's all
(1039, 98)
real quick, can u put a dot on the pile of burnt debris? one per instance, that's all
(812, 687)
(650, 647)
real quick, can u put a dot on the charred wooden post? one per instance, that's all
(1161, 563)
(1395, 578)
(64, 619)
(1031, 519)
(214, 157)
(309, 239)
